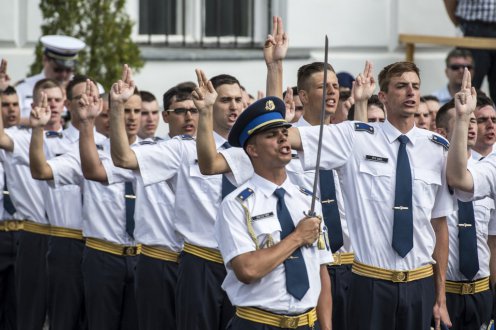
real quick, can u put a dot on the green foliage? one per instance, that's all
(103, 25)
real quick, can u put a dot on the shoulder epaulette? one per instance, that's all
(186, 137)
(23, 127)
(441, 141)
(242, 196)
(363, 127)
(305, 191)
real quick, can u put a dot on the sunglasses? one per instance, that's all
(60, 69)
(456, 67)
(183, 111)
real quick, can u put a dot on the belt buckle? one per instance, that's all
(130, 250)
(468, 288)
(11, 225)
(289, 322)
(400, 276)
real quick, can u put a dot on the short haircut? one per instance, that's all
(10, 90)
(146, 96)
(181, 92)
(430, 98)
(372, 101)
(45, 84)
(224, 79)
(442, 116)
(483, 100)
(458, 52)
(307, 70)
(187, 84)
(395, 70)
(78, 79)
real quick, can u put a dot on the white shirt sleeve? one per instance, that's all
(66, 169)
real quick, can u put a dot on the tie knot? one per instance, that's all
(403, 139)
(226, 145)
(279, 192)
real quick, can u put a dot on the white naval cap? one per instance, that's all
(62, 49)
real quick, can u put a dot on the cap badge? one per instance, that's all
(269, 105)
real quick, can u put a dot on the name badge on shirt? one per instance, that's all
(262, 216)
(376, 159)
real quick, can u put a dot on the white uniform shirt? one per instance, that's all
(154, 213)
(25, 93)
(477, 156)
(25, 192)
(485, 222)
(198, 196)
(104, 212)
(268, 293)
(443, 95)
(366, 165)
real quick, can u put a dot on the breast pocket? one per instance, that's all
(426, 184)
(375, 180)
(482, 211)
(208, 185)
(267, 231)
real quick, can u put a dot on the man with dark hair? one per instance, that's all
(179, 111)
(392, 177)
(375, 110)
(485, 113)
(149, 116)
(456, 61)
(201, 270)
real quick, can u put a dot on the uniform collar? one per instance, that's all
(72, 133)
(302, 122)
(268, 188)
(392, 133)
(219, 141)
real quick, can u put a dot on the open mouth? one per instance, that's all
(410, 103)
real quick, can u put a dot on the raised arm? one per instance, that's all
(6, 142)
(122, 155)
(275, 49)
(456, 169)
(209, 160)
(363, 88)
(89, 107)
(440, 255)
(40, 115)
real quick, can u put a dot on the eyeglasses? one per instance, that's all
(456, 67)
(60, 69)
(183, 111)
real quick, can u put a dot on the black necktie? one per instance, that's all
(7, 202)
(227, 186)
(330, 209)
(403, 215)
(467, 240)
(130, 201)
(53, 134)
(296, 271)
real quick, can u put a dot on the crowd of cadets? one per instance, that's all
(107, 226)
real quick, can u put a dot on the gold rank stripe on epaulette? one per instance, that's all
(441, 141)
(363, 127)
(242, 196)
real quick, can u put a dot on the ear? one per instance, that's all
(442, 132)
(251, 150)
(382, 97)
(165, 116)
(303, 96)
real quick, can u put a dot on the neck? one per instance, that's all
(313, 117)
(145, 136)
(403, 124)
(483, 150)
(53, 127)
(131, 138)
(222, 133)
(454, 88)
(275, 175)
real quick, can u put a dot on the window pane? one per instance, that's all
(227, 17)
(157, 17)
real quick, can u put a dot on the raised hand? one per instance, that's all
(123, 89)
(364, 84)
(40, 112)
(290, 105)
(4, 77)
(276, 44)
(204, 95)
(90, 103)
(466, 98)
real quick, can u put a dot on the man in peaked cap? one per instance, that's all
(59, 61)
(268, 246)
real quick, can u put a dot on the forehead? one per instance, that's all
(134, 102)
(375, 110)
(460, 60)
(182, 104)
(405, 77)
(54, 92)
(423, 107)
(486, 111)
(149, 106)
(318, 77)
(231, 90)
(78, 89)
(12, 98)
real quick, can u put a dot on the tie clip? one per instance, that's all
(464, 225)
(5, 192)
(400, 208)
(292, 257)
(130, 196)
(328, 201)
